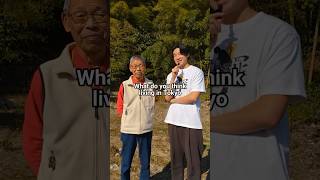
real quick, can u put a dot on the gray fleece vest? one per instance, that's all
(75, 135)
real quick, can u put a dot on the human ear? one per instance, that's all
(65, 22)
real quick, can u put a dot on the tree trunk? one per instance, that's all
(314, 48)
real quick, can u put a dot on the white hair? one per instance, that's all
(66, 5)
(137, 57)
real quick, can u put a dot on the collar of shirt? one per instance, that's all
(79, 60)
(135, 80)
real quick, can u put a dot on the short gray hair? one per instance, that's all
(134, 57)
(66, 5)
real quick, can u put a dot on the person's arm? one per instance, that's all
(215, 21)
(280, 79)
(120, 101)
(264, 113)
(33, 124)
(188, 99)
(197, 86)
(174, 74)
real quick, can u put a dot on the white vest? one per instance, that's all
(75, 141)
(138, 111)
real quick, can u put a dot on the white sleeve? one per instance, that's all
(282, 72)
(197, 84)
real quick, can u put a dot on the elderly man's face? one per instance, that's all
(87, 22)
(137, 68)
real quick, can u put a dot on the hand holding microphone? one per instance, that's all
(215, 21)
(175, 70)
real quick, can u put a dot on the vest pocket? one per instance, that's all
(52, 161)
(48, 164)
(126, 119)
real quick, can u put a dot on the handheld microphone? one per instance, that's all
(215, 8)
(179, 78)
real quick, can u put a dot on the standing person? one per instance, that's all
(249, 134)
(64, 137)
(183, 117)
(136, 112)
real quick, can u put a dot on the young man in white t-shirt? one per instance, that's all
(183, 117)
(249, 123)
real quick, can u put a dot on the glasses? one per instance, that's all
(82, 17)
(141, 66)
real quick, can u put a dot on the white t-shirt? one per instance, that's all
(187, 115)
(267, 50)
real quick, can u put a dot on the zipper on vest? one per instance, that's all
(96, 113)
(140, 112)
(52, 161)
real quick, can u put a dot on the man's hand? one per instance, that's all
(172, 101)
(174, 73)
(215, 26)
(188, 99)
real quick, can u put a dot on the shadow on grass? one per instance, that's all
(166, 172)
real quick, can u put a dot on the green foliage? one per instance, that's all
(157, 55)
(159, 26)
(309, 4)
(31, 30)
(120, 10)
(25, 27)
(164, 22)
(140, 18)
(308, 110)
(123, 37)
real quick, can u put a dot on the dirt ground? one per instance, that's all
(160, 154)
(304, 148)
(304, 159)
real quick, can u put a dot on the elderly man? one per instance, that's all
(64, 137)
(249, 123)
(136, 112)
